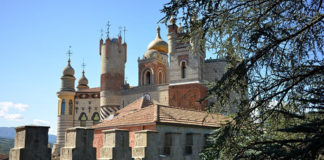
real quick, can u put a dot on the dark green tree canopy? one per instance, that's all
(274, 50)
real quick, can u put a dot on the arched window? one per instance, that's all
(83, 119)
(63, 107)
(160, 77)
(70, 107)
(147, 77)
(95, 118)
(183, 69)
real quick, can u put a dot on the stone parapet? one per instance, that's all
(31, 142)
(115, 145)
(78, 144)
(146, 147)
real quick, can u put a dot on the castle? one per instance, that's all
(171, 83)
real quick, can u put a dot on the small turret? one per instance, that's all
(68, 77)
(83, 82)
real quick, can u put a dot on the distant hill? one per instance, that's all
(5, 145)
(9, 133)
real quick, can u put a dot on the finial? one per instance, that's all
(172, 20)
(158, 32)
(69, 54)
(83, 66)
(101, 33)
(124, 33)
(108, 27)
(120, 30)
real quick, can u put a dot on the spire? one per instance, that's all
(101, 33)
(108, 28)
(120, 30)
(158, 36)
(124, 33)
(83, 81)
(69, 54)
(83, 66)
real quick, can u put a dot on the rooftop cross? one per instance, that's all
(101, 33)
(83, 66)
(124, 33)
(69, 53)
(120, 30)
(108, 27)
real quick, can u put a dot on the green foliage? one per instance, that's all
(274, 50)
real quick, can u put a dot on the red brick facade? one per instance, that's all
(98, 137)
(155, 67)
(188, 96)
(111, 81)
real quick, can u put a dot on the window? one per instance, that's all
(167, 144)
(147, 77)
(160, 77)
(183, 69)
(95, 118)
(83, 119)
(70, 107)
(189, 143)
(63, 107)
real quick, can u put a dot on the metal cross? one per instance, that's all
(124, 33)
(83, 65)
(120, 30)
(108, 27)
(69, 52)
(101, 33)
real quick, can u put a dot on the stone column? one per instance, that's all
(78, 144)
(31, 142)
(145, 147)
(115, 145)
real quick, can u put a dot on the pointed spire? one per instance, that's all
(83, 66)
(69, 54)
(124, 33)
(158, 36)
(108, 28)
(101, 33)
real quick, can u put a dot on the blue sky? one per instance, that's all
(35, 36)
(34, 39)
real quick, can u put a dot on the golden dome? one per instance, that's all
(158, 44)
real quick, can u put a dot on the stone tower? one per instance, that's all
(113, 58)
(185, 70)
(65, 105)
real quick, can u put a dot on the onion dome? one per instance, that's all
(83, 82)
(68, 70)
(158, 44)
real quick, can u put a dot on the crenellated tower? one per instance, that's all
(113, 58)
(185, 73)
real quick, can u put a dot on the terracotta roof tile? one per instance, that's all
(143, 112)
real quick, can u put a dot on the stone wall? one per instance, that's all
(213, 69)
(31, 142)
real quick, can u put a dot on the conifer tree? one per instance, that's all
(274, 50)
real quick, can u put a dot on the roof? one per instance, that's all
(4, 157)
(97, 89)
(142, 112)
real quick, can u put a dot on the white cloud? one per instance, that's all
(5, 107)
(41, 122)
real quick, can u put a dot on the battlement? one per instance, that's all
(79, 145)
